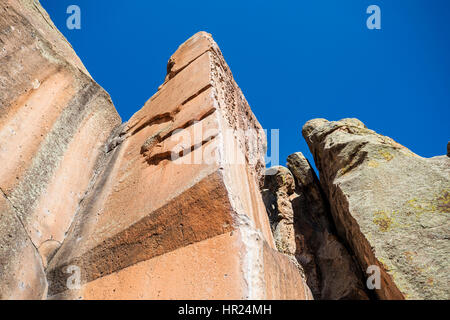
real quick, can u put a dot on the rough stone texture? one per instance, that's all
(300, 221)
(181, 172)
(21, 272)
(168, 204)
(171, 197)
(332, 270)
(206, 270)
(54, 121)
(278, 187)
(391, 205)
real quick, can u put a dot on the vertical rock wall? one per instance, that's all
(180, 191)
(303, 229)
(166, 205)
(54, 121)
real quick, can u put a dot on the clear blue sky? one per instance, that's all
(294, 60)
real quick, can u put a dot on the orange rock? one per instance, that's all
(54, 122)
(212, 269)
(187, 193)
(21, 272)
(166, 205)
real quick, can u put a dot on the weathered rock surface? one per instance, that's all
(54, 122)
(21, 271)
(166, 205)
(322, 251)
(391, 206)
(302, 228)
(279, 186)
(193, 204)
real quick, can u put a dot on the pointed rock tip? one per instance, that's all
(197, 35)
(296, 155)
(202, 34)
(297, 159)
(188, 51)
(300, 168)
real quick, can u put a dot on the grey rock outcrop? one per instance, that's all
(300, 223)
(323, 255)
(279, 187)
(391, 205)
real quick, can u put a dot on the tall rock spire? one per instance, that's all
(177, 210)
(166, 205)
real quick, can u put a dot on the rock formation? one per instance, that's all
(302, 227)
(54, 121)
(389, 204)
(193, 207)
(166, 205)
(176, 203)
(278, 188)
(340, 277)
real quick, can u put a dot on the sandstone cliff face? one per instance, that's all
(54, 121)
(166, 205)
(192, 205)
(390, 205)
